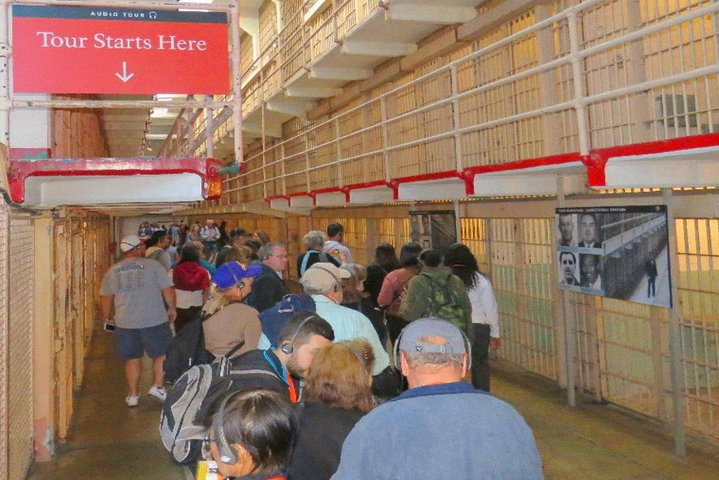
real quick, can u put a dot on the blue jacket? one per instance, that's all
(441, 432)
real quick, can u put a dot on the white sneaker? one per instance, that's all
(132, 400)
(158, 392)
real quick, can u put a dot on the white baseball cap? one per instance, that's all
(129, 242)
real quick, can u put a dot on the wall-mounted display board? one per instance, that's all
(616, 252)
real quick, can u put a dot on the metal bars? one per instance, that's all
(623, 72)
(19, 347)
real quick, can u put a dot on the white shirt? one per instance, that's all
(484, 305)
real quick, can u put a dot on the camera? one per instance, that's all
(109, 327)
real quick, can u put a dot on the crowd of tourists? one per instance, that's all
(360, 375)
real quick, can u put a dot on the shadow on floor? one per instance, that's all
(108, 440)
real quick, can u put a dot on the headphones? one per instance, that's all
(289, 347)
(443, 349)
(338, 283)
(227, 453)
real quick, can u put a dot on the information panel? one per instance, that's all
(617, 252)
(59, 49)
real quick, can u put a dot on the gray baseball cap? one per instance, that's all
(414, 333)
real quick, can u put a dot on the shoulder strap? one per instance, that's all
(235, 349)
(305, 259)
(432, 307)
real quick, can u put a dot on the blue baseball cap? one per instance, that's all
(231, 273)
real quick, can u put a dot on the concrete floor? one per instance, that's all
(110, 441)
(597, 442)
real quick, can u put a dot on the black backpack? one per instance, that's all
(186, 350)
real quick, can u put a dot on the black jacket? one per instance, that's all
(321, 431)
(267, 289)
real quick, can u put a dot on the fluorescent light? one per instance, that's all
(193, 9)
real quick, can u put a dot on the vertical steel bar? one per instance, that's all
(385, 137)
(457, 220)
(209, 130)
(578, 80)
(5, 65)
(675, 348)
(338, 153)
(456, 120)
(567, 317)
(236, 82)
(284, 174)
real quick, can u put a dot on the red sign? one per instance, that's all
(58, 49)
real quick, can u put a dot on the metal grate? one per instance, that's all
(4, 320)
(521, 257)
(20, 343)
(698, 250)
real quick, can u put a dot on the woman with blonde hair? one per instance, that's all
(194, 234)
(335, 396)
(233, 253)
(229, 322)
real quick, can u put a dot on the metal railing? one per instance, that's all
(463, 126)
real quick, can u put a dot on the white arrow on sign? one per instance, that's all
(124, 77)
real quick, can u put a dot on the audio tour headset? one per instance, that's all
(227, 453)
(431, 348)
(289, 347)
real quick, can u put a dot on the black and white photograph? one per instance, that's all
(435, 229)
(616, 252)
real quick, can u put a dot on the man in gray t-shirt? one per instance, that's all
(136, 286)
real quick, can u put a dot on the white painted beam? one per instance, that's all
(368, 196)
(377, 49)
(498, 185)
(340, 73)
(445, 189)
(312, 92)
(437, 14)
(330, 199)
(255, 130)
(110, 189)
(290, 107)
(301, 201)
(699, 167)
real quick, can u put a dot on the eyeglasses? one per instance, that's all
(283, 257)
